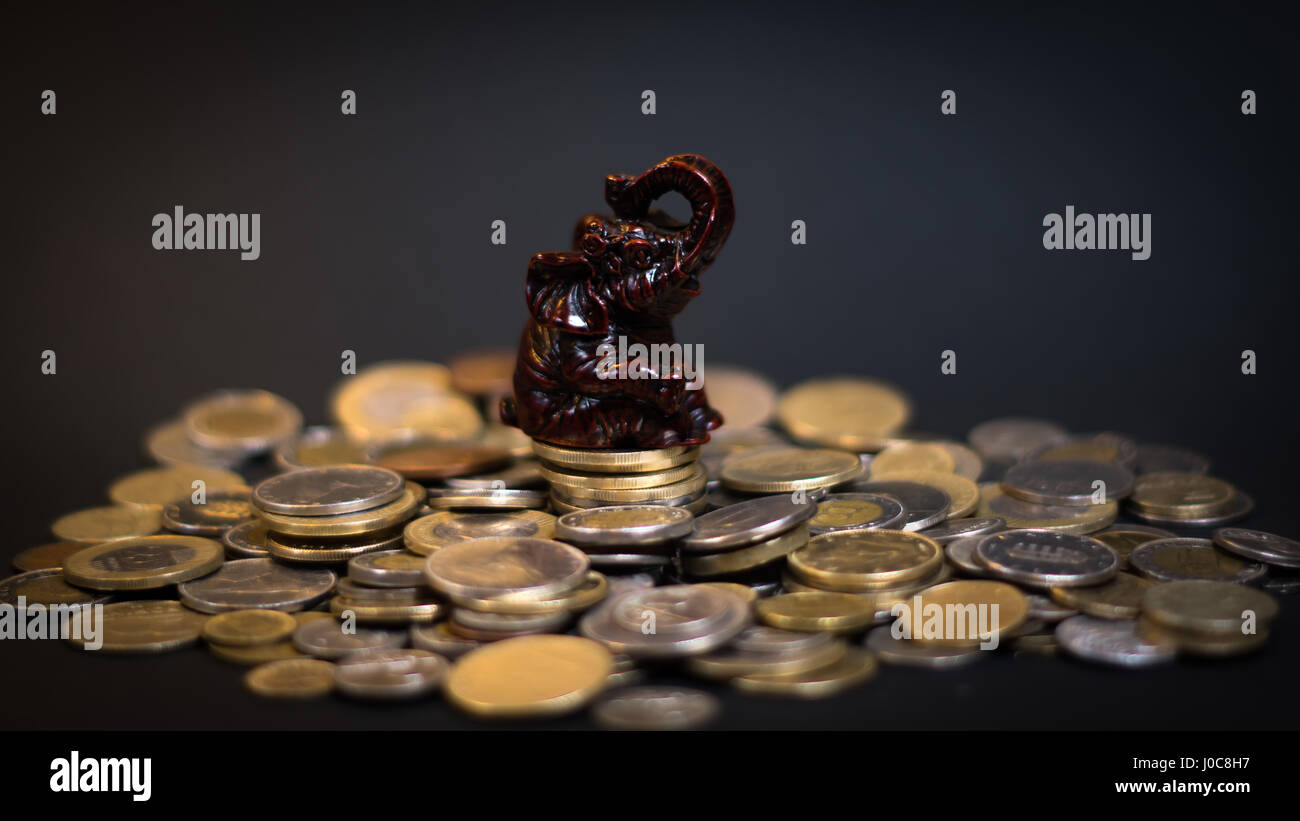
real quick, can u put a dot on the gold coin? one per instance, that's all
(860, 560)
(46, 557)
(147, 627)
(853, 668)
(46, 586)
(816, 612)
(245, 421)
(156, 487)
(745, 399)
(1181, 495)
(349, 524)
(258, 653)
(964, 493)
(616, 461)
(1029, 516)
(372, 403)
(450, 417)
(291, 678)
(529, 676)
(1123, 541)
(425, 612)
(843, 412)
(103, 524)
(692, 484)
(744, 592)
(1209, 608)
(330, 551)
(143, 563)
(781, 470)
(484, 373)
(1200, 644)
(1119, 598)
(727, 664)
(247, 628)
(592, 592)
(429, 534)
(910, 456)
(747, 558)
(958, 607)
(580, 480)
(507, 567)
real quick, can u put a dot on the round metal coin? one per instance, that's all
(1044, 558)
(261, 584)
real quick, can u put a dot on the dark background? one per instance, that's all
(924, 234)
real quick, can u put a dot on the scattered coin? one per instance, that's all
(656, 708)
(781, 470)
(1182, 559)
(746, 558)
(1181, 495)
(966, 462)
(428, 461)
(46, 556)
(1067, 482)
(925, 504)
(247, 628)
(358, 523)
(745, 399)
(262, 584)
(1200, 644)
(594, 589)
(662, 622)
(1123, 538)
(1260, 546)
(843, 412)
(529, 676)
(1006, 607)
(291, 678)
(103, 524)
(961, 552)
(255, 654)
(486, 499)
(616, 461)
(856, 511)
(909, 456)
(1119, 598)
(170, 444)
(326, 639)
(377, 402)
(436, 638)
(862, 560)
(1111, 641)
(329, 551)
(1041, 558)
(146, 627)
(390, 674)
(156, 487)
(143, 563)
(1043, 609)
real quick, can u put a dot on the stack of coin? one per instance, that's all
(1188, 499)
(224, 429)
(630, 537)
(746, 542)
(252, 637)
(327, 515)
(582, 479)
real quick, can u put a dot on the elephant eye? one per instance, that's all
(639, 253)
(593, 244)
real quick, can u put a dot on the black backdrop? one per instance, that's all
(924, 234)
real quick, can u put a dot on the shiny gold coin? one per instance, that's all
(593, 591)
(862, 560)
(1181, 495)
(143, 563)
(583, 480)
(253, 655)
(529, 676)
(1123, 541)
(103, 524)
(911, 456)
(964, 493)
(1119, 598)
(429, 534)
(291, 678)
(244, 421)
(156, 487)
(616, 461)
(745, 593)
(816, 612)
(745, 399)
(691, 485)
(248, 628)
(46, 556)
(372, 404)
(781, 470)
(349, 524)
(955, 614)
(484, 373)
(147, 627)
(1027, 515)
(853, 668)
(747, 558)
(843, 412)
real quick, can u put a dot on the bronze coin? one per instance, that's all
(438, 461)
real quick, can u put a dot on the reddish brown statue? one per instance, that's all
(629, 276)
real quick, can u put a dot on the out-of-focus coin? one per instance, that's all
(926, 504)
(981, 610)
(1183, 559)
(744, 592)
(45, 587)
(524, 474)
(1218, 608)
(375, 402)
(593, 590)
(663, 622)
(218, 513)
(318, 447)
(628, 526)
(1042, 558)
(436, 638)
(1111, 641)
(860, 560)
(358, 523)
(1012, 438)
(908, 456)
(249, 584)
(746, 558)
(857, 511)
(529, 676)
(246, 421)
(963, 494)
(46, 556)
(246, 628)
(155, 487)
(246, 540)
(143, 563)
(507, 567)
(1119, 598)
(1170, 459)
(390, 674)
(326, 639)
(905, 653)
(103, 524)
(517, 623)
(613, 561)
(843, 412)
(853, 668)
(692, 484)
(1022, 515)
(656, 708)
(829, 612)
(1181, 495)
(146, 627)
(329, 490)
(255, 654)
(426, 461)
(326, 551)
(1095, 447)
(484, 373)
(745, 399)
(954, 529)
(429, 534)
(1235, 508)
(1067, 481)
(1201, 644)
(1043, 609)
(961, 552)
(1123, 538)
(169, 444)
(486, 499)
(387, 568)
(576, 481)
(1259, 545)
(616, 461)
(747, 523)
(966, 462)
(781, 470)
(291, 678)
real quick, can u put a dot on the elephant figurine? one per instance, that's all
(628, 276)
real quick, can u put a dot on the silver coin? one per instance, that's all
(247, 584)
(670, 611)
(372, 569)
(1187, 559)
(1110, 641)
(906, 653)
(1238, 506)
(625, 525)
(1259, 545)
(892, 514)
(764, 640)
(656, 708)
(926, 506)
(522, 475)
(486, 499)
(511, 622)
(954, 529)
(505, 566)
(46, 587)
(1170, 459)
(169, 444)
(1046, 558)
(362, 594)
(326, 639)
(219, 512)
(748, 522)
(1013, 437)
(647, 640)
(328, 490)
(436, 638)
(247, 540)
(629, 560)
(390, 674)
(1044, 609)
(1067, 481)
(961, 552)
(966, 462)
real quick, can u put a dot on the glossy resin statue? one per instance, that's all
(629, 275)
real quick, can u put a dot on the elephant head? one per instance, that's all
(639, 263)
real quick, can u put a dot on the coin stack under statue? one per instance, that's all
(587, 478)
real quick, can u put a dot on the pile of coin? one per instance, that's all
(583, 479)
(746, 542)
(626, 538)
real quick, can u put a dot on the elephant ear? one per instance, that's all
(561, 294)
